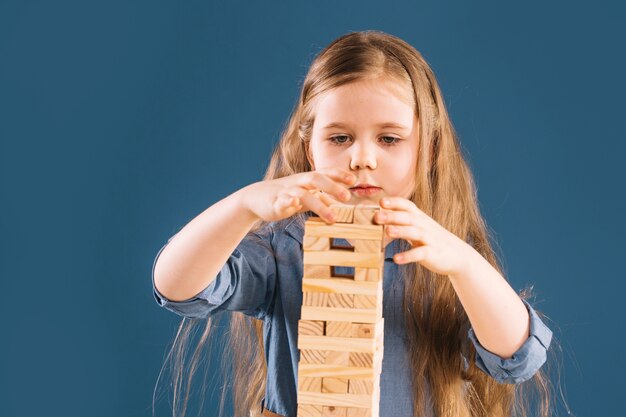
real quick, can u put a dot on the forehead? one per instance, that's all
(373, 100)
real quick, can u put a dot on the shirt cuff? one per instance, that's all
(192, 307)
(525, 362)
(245, 284)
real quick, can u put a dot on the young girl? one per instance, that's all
(370, 127)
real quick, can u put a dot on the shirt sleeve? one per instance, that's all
(246, 283)
(525, 362)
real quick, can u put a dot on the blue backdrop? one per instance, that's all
(120, 121)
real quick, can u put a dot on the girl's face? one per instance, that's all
(368, 127)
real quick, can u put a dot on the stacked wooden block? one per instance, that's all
(340, 333)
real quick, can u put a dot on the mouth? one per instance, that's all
(365, 190)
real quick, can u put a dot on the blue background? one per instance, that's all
(120, 121)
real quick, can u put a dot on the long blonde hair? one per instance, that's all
(437, 324)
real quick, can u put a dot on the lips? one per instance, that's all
(364, 186)
(365, 191)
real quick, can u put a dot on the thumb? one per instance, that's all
(288, 204)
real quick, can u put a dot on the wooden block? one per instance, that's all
(360, 315)
(376, 397)
(365, 214)
(337, 358)
(343, 231)
(311, 327)
(341, 285)
(316, 299)
(336, 371)
(332, 411)
(338, 400)
(343, 258)
(366, 360)
(342, 344)
(310, 384)
(342, 300)
(361, 386)
(367, 274)
(359, 412)
(309, 410)
(365, 301)
(335, 385)
(312, 356)
(361, 245)
(347, 358)
(343, 212)
(364, 330)
(316, 271)
(315, 243)
(362, 359)
(339, 328)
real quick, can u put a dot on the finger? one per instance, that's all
(410, 233)
(314, 204)
(333, 186)
(417, 254)
(402, 218)
(328, 201)
(321, 181)
(399, 203)
(326, 198)
(287, 204)
(286, 200)
(340, 174)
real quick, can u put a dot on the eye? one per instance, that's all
(394, 140)
(342, 139)
(338, 140)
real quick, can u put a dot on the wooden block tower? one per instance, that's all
(340, 334)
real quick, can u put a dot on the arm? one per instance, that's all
(195, 255)
(525, 362)
(192, 259)
(246, 283)
(498, 315)
(518, 361)
(500, 318)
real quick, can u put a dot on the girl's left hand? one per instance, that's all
(438, 249)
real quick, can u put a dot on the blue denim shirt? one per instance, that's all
(263, 279)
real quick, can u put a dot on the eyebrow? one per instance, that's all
(381, 125)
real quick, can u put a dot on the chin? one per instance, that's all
(365, 200)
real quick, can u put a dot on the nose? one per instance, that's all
(362, 157)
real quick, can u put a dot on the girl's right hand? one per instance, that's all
(277, 199)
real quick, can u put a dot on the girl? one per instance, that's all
(370, 127)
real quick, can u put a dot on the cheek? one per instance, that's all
(402, 170)
(324, 156)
